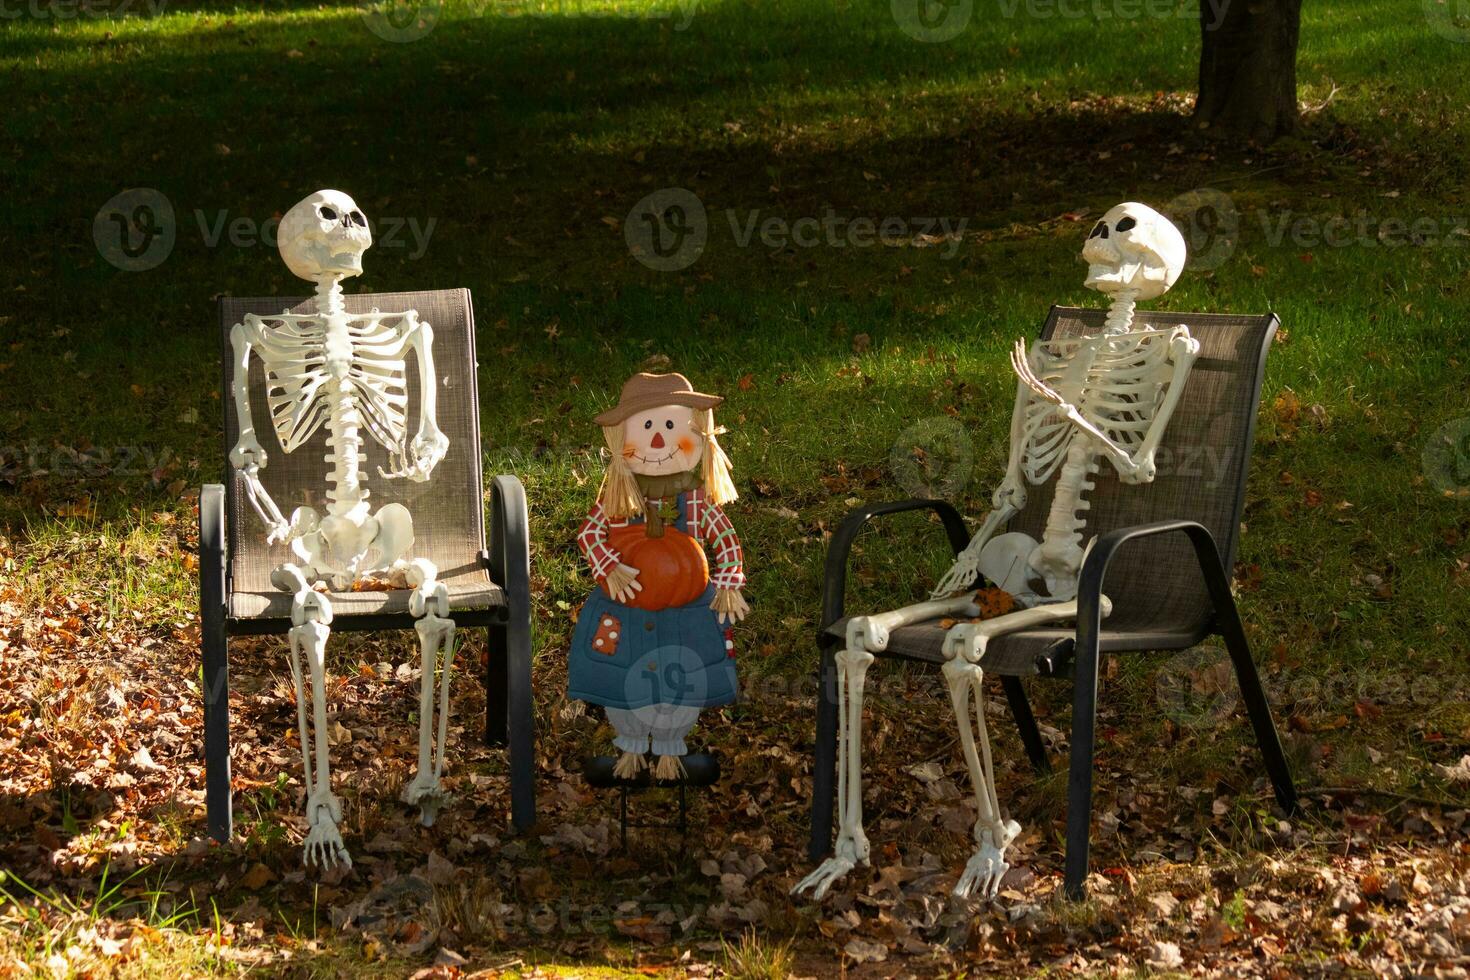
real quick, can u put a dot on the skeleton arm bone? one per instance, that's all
(429, 445)
(1116, 454)
(1007, 501)
(248, 457)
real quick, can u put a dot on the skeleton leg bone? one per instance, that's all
(852, 843)
(964, 648)
(865, 635)
(430, 602)
(312, 615)
(987, 866)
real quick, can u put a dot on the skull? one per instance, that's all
(1133, 247)
(324, 236)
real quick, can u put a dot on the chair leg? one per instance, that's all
(1026, 722)
(520, 727)
(1257, 707)
(215, 652)
(1079, 778)
(217, 798)
(824, 756)
(497, 681)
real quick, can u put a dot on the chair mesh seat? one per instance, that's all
(470, 590)
(447, 509)
(1017, 654)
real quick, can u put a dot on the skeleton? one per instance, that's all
(1106, 397)
(346, 372)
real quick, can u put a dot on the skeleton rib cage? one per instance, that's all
(1117, 382)
(293, 349)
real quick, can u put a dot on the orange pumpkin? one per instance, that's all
(671, 568)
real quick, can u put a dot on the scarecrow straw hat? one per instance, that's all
(645, 391)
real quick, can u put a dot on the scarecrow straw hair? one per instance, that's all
(620, 496)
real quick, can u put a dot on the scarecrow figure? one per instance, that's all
(653, 643)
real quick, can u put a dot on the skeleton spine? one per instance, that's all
(346, 492)
(1120, 314)
(1064, 520)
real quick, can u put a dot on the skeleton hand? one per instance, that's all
(1021, 364)
(730, 605)
(424, 453)
(988, 866)
(247, 452)
(622, 583)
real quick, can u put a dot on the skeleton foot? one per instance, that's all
(324, 847)
(986, 868)
(669, 768)
(428, 795)
(851, 851)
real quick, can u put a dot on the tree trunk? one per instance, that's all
(1247, 68)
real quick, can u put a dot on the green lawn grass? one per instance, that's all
(526, 132)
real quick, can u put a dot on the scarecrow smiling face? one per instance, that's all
(662, 441)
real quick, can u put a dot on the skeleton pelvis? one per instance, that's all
(1030, 570)
(345, 547)
(1005, 561)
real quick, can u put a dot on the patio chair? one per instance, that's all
(488, 586)
(1163, 556)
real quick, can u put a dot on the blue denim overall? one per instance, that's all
(624, 657)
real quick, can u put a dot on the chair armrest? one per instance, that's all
(834, 577)
(509, 555)
(1095, 569)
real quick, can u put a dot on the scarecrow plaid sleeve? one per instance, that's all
(715, 530)
(592, 541)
